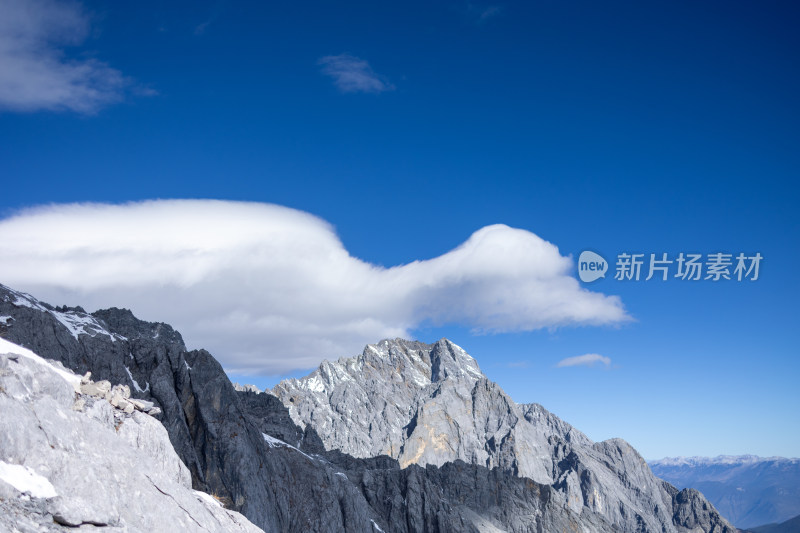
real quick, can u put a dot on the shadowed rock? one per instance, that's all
(511, 468)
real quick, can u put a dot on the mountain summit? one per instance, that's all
(430, 404)
(420, 404)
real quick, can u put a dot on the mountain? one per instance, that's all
(246, 448)
(431, 404)
(790, 526)
(746, 489)
(279, 488)
(71, 458)
(427, 404)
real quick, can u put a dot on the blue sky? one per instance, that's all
(622, 127)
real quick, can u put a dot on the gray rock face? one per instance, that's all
(424, 404)
(277, 484)
(431, 405)
(61, 467)
(508, 467)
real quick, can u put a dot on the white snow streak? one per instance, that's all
(272, 442)
(10, 347)
(24, 479)
(207, 498)
(135, 384)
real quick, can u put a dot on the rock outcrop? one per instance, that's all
(512, 467)
(70, 458)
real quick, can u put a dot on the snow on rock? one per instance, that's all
(11, 348)
(136, 385)
(272, 442)
(208, 498)
(81, 324)
(25, 480)
(246, 388)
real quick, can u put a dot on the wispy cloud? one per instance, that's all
(480, 13)
(352, 74)
(268, 289)
(36, 74)
(200, 29)
(589, 359)
(216, 11)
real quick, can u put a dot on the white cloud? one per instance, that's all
(268, 289)
(35, 73)
(589, 359)
(353, 75)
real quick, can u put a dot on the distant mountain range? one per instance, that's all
(406, 437)
(748, 490)
(790, 526)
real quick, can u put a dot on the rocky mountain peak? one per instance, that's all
(122, 321)
(403, 366)
(422, 363)
(429, 404)
(421, 404)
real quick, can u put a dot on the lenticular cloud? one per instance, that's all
(268, 289)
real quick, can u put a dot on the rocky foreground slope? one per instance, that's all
(69, 458)
(507, 468)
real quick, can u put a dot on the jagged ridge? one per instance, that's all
(431, 404)
(244, 447)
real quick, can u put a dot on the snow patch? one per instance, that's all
(135, 384)
(5, 319)
(418, 378)
(78, 323)
(24, 479)
(10, 347)
(26, 300)
(376, 526)
(314, 384)
(208, 498)
(272, 442)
